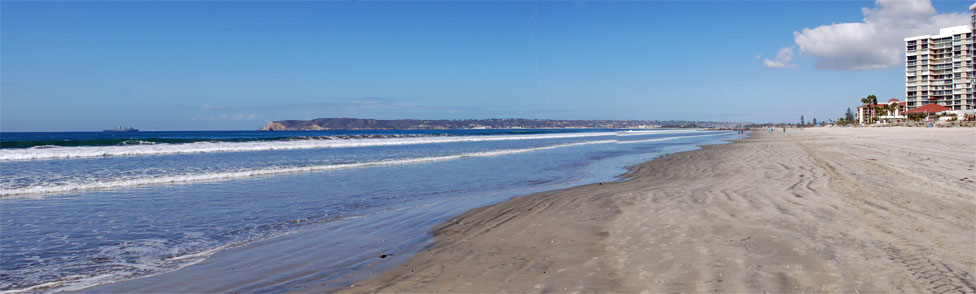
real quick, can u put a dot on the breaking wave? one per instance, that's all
(145, 149)
(183, 178)
(15, 144)
(110, 183)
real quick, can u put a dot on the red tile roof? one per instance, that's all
(928, 108)
(893, 100)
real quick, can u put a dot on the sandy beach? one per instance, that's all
(865, 210)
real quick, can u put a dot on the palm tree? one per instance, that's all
(866, 100)
(871, 101)
(889, 109)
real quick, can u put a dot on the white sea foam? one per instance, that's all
(669, 138)
(71, 283)
(213, 147)
(148, 265)
(225, 175)
(654, 132)
(183, 178)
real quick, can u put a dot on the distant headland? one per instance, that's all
(508, 123)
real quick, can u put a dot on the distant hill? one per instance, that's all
(415, 124)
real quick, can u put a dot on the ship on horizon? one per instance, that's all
(121, 129)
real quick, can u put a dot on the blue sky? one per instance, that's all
(87, 66)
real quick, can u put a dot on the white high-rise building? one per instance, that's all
(939, 68)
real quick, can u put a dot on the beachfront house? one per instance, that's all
(889, 112)
(930, 109)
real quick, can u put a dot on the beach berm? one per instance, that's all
(868, 210)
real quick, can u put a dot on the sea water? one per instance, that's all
(84, 209)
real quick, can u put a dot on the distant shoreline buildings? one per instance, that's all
(511, 123)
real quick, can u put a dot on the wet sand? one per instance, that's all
(866, 210)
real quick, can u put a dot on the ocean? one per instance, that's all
(90, 208)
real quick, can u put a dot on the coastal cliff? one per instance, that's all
(510, 123)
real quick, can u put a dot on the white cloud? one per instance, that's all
(782, 60)
(877, 41)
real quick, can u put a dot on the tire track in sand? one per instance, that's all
(931, 275)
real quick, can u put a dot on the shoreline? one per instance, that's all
(338, 253)
(802, 211)
(480, 220)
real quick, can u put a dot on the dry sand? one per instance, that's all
(864, 210)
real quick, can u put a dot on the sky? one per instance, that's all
(187, 65)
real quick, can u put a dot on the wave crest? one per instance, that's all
(223, 146)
